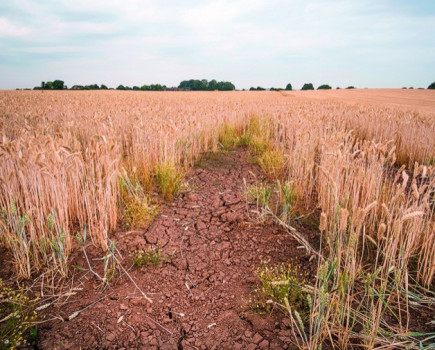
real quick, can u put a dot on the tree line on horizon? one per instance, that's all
(188, 85)
(306, 86)
(185, 85)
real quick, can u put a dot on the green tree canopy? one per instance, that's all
(58, 85)
(308, 86)
(289, 87)
(324, 87)
(52, 85)
(258, 88)
(153, 87)
(212, 85)
(432, 86)
(204, 85)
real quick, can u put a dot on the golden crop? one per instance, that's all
(369, 169)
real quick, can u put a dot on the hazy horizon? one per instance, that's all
(373, 44)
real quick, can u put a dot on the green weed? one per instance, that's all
(260, 193)
(151, 256)
(278, 284)
(110, 263)
(17, 315)
(169, 179)
(286, 197)
(256, 137)
(137, 211)
(244, 140)
(272, 163)
(259, 145)
(227, 137)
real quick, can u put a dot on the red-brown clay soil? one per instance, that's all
(199, 296)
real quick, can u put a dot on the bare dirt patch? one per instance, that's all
(210, 251)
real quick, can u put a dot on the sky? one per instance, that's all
(268, 43)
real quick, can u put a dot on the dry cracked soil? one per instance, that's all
(211, 244)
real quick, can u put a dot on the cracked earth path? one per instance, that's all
(199, 296)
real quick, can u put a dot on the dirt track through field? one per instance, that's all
(200, 295)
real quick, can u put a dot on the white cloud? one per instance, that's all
(217, 15)
(245, 41)
(9, 29)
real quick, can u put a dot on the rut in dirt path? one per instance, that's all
(200, 296)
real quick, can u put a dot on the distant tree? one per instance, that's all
(183, 85)
(350, 87)
(431, 86)
(411, 87)
(90, 87)
(58, 85)
(404, 87)
(212, 85)
(338, 88)
(324, 87)
(196, 85)
(121, 87)
(158, 87)
(289, 87)
(103, 87)
(136, 88)
(53, 85)
(203, 85)
(225, 86)
(153, 87)
(48, 85)
(308, 86)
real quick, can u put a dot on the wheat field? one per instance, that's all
(365, 166)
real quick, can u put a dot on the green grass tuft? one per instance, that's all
(272, 163)
(227, 137)
(169, 179)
